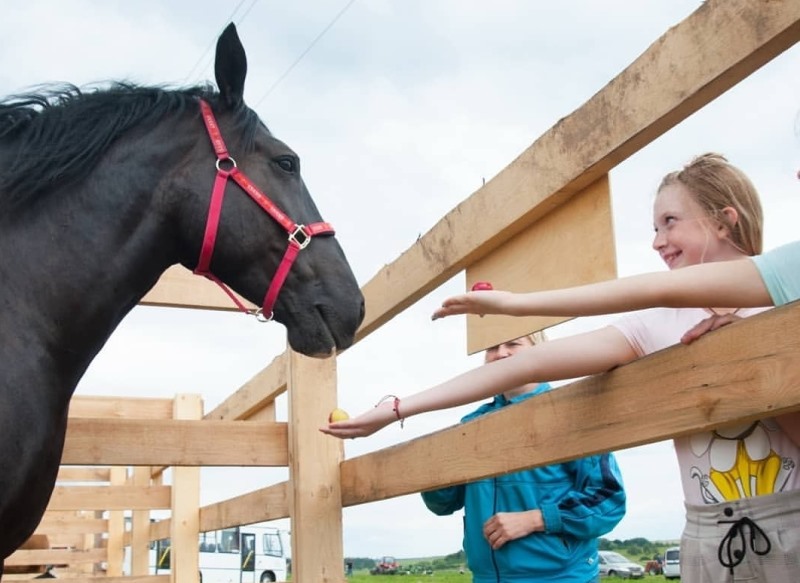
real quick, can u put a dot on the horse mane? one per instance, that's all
(61, 132)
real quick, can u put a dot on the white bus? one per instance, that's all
(243, 554)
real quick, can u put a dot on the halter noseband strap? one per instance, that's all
(299, 235)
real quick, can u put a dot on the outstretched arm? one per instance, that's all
(721, 284)
(565, 358)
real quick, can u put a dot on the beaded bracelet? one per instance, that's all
(395, 407)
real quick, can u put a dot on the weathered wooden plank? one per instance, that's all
(185, 523)
(90, 474)
(180, 288)
(56, 525)
(139, 539)
(717, 46)
(62, 574)
(579, 233)
(743, 372)
(120, 407)
(175, 443)
(102, 579)
(116, 529)
(263, 505)
(160, 529)
(54, 557)
(256, 394)
(315, 502)
(109, 498)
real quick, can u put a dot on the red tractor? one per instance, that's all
(386, 566)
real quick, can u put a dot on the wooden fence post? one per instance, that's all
(316, 497)
(185, 527)
(116, 528)
(140, 527)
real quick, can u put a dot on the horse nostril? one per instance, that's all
(363, 311)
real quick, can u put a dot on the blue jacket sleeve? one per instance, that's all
(595, 506)
(445, 500)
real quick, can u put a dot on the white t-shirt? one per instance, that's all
(752, 459)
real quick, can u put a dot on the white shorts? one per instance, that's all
(752, 539)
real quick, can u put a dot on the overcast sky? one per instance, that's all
(399, 110)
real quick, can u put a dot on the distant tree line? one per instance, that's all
(360, 562)
(452, 561)
(639, 549)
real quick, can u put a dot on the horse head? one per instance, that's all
(270, 245)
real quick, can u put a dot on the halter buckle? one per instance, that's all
(300, 230)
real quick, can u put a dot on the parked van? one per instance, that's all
(672, 563)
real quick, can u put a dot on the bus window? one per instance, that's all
(273, 546)
(229, 542)
(208, 542)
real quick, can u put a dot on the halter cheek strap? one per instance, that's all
(299, 235)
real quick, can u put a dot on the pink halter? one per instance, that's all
(299, 235)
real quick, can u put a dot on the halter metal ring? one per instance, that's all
(300, 230)
(221, 160)
(259, 315)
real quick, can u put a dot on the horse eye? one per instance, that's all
(287, 164)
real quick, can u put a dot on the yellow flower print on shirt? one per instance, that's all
(741, 460)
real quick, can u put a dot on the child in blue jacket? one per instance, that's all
(536, 525)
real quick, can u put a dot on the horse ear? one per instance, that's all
(230, 67)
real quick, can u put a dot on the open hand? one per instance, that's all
(477, 302)
(365, 424)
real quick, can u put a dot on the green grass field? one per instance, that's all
(456, 577)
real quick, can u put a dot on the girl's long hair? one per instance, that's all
(716, 184)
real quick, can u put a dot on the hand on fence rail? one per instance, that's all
(710, 324)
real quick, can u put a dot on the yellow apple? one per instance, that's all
(338, 415)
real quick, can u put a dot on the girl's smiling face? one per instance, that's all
(685, 233)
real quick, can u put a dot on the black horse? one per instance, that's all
(100, 191)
